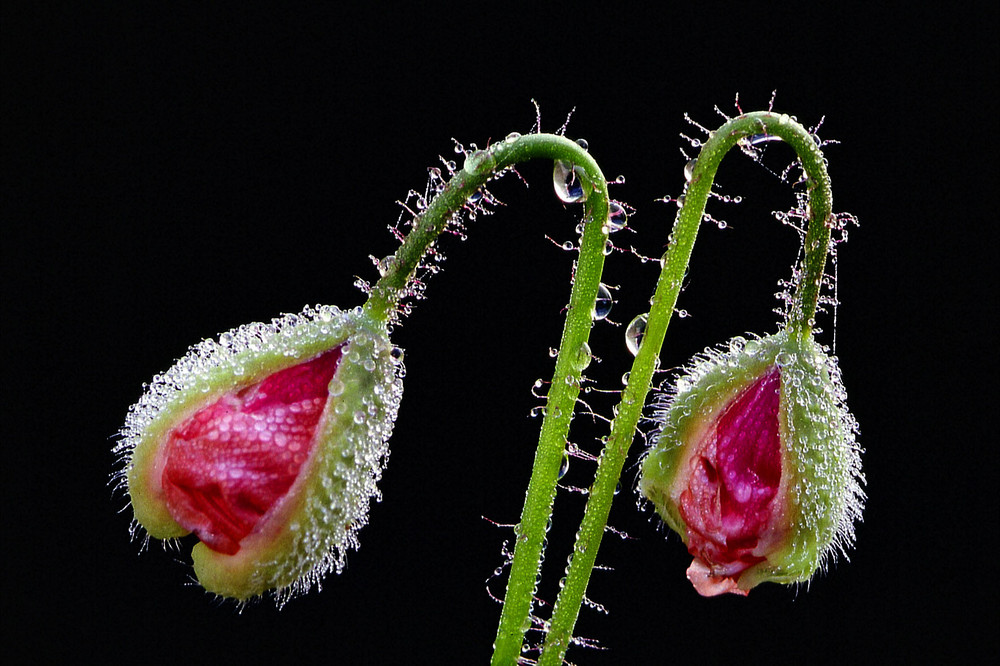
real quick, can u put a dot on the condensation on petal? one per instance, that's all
(231, 461)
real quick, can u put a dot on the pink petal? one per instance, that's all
(230, 462)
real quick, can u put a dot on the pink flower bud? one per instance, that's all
(267, 445)
(755, 464)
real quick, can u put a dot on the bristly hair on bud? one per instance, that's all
(754, 463)
(268, 444)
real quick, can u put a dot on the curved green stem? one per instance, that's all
(574, 354)
(675, 263)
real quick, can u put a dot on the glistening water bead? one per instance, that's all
(616, 217)
(689, 170)
(603, 304)
(635, 332)
(566, 182)
(583, 357)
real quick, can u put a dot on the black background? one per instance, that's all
(171, 172)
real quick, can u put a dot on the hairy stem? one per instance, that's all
(675, 263)
(573, 350)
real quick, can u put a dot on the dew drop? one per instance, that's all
(565, 465)
(583, 144)
(512, 137)
(635, 332)
(476, 162)
(689, 170)
(616, 217)
(583, 357)
(566, 182)
(757, 139)
(602, 306)
(386, 264)
(784, 359)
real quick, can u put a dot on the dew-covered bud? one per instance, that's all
(267, 444)
(755, 463)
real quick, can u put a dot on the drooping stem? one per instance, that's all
(573, 356)
(479, 167)
(675, 263)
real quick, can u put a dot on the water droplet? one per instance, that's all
(385, 264)
(475, 197)
(784, 359)
(602, 306)
(396, 354)
(635, 332)
(512, 137)
(583, 357)
(680, 201)
(568, 184)
(625, 378)
(476, 162)
(553, 352)
(683, 314)
(757, 139)
(583, 144)
(565, 465)
(616, 217)
(689, 170)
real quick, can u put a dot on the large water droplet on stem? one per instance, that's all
(689, 170)
(582, 357)
(616, 217)
(568, 184)
(635, 333)
(602, 306)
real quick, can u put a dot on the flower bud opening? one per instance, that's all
(755, 464)
(728, 487)
(267, 443)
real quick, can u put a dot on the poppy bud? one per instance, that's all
(755, 463)
(267, 444)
